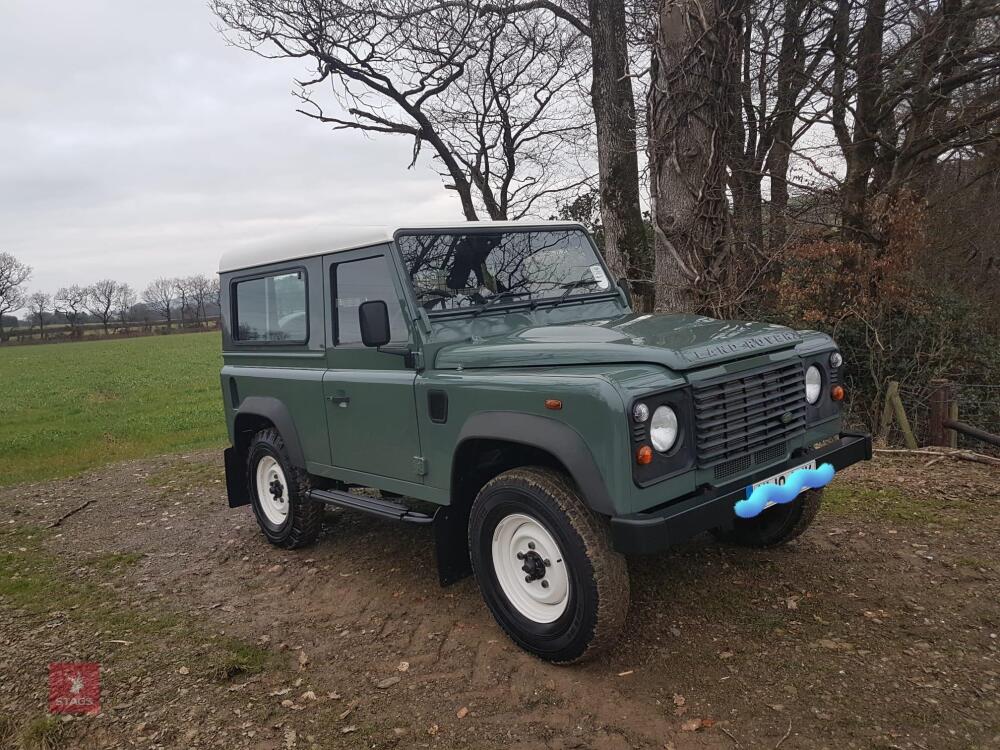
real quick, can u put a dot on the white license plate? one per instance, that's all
(779, 479)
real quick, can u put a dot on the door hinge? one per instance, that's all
(420, 466)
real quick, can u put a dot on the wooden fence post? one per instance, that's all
(942, 398)
(894, 407)
(885, 422)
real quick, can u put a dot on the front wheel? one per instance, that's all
(545, 566)
(775, 526)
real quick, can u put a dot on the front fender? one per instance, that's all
(550, 435)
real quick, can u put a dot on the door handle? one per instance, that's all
(341, 401)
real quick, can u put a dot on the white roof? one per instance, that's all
(351, 237)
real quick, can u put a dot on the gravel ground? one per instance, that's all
(877, 629)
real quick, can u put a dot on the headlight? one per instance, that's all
(836, 360)
(814, 384)
(640, 412)
(663, 429)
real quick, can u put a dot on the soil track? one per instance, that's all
(878, 628)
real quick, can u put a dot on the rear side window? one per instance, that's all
(272, 309)
(364, 280)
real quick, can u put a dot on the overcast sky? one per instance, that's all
(135, 143)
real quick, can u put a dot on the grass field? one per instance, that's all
(65, 408)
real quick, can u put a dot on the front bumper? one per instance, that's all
(711, 508)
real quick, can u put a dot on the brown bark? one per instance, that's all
(790, 75)
(861, 154)
(617, 160)
(691, 124)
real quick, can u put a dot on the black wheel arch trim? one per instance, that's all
(549, 435)
(277, 413)
(252, 410)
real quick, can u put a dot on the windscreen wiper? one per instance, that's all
(575, 285)
(496, 299)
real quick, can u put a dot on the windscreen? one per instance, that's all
(452, 271)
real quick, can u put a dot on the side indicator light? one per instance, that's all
(837, 393)
(553, 403)
(644, 455)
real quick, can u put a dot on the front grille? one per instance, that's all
(735, 466)
(745, 463)
(749, 417)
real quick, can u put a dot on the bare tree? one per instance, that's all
(200, 287)
(784, 67)
(382, 61)
(13, 275)
(125, 299)
(159, 297)
(183, 290)
(101, 301)
(612, 99)
(493, 95)
(512, 119)
(913, 82)
(39, 304)
(215, 294)
(71, 302)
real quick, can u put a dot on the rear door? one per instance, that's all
(369, 394)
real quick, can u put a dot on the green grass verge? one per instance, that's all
(65, 408)
(886, 504)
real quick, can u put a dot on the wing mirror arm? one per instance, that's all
(373, 319)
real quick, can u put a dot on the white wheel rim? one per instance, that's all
(270, 478)
(544, 598)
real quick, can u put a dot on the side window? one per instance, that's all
(358, 281)
(272, 309)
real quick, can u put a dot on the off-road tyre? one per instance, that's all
(775, 526)
(304, 520)
(598, 581)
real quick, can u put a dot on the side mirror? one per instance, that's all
(374, 323)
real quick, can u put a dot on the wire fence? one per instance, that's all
(978, 406)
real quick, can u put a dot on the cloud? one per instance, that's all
(134, 143)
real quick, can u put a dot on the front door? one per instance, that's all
(369, 394)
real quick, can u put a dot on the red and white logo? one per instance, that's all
(74, 687)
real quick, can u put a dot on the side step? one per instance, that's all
(372, 506)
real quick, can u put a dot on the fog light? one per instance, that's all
(837, 393)
(644, 455)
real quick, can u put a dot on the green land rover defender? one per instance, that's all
(491, 380)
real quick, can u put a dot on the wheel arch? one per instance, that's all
(257, 413)
(549, 441)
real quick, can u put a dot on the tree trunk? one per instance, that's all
(625, 247)
(861, 154)
(791, 74)
(748, 222)
(691, 122)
